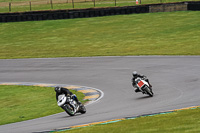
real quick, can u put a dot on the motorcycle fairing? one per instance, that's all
(140, 84)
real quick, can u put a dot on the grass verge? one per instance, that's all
(19, 103)
(166, 33)
(187, 121)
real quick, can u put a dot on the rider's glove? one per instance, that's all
(144, 77)
(73, 96)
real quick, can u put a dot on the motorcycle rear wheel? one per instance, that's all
(82, 109)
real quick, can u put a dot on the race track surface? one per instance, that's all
(175, 80)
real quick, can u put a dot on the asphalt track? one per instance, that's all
(175, 80)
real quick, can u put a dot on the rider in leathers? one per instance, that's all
(135, 75)
(61, 90)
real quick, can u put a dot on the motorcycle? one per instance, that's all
(144, 86)
(70, 106)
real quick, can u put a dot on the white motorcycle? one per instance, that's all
(70, 106)
(143, 86)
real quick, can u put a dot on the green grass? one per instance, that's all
(187, 121)
(166, 33)
(19, 103)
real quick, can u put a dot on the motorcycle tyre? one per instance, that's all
(67, 111)
(149, 91)
(82, 109)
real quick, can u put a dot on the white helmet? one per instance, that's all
(135, 73)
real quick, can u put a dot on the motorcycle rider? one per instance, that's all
(135, 75)
(61, 90)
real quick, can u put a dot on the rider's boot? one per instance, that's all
(150, 85)
(79, 103)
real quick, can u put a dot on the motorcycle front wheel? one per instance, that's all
(69, 109)
(149, 91)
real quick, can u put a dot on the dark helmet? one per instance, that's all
(135, 73)
(58, 89)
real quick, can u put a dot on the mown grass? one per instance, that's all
(187, 121)
(166, 33)
(19, 103)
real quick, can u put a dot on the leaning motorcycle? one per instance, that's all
(144, 86)
(70, 106)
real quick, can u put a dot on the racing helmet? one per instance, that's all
(58, 89)
(135, 73)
